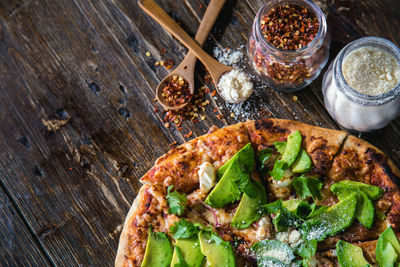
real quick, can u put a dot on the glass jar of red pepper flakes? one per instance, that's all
(289, 43)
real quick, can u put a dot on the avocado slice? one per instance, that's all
(267, 250)
(335, 219)
(365, 211)
(350, 255)
(225, 191)
(388, 248)
(348, 186)
(238, 167)
(218, 254)
(245, 156)
(303, 162)
(190, 248)
(249, 209)
(158, 250)
(293, 147)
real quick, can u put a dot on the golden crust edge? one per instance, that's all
(123, 243)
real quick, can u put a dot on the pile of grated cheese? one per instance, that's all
(371, 70)
(235, 86)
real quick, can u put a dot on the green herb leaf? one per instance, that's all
(280, 146)
(306, 250)
(307, 187)
(181, 259)
(176, 201)
(183, 229)
(218, 240)
(283, 217)
(264, 155)
(278, 170)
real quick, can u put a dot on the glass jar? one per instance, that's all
(355, 111)
(288, 70)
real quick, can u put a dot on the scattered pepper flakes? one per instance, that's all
(157, 63)
(215, 110)
(155, 110)
(204, 130)
(148, 54)
(179, 128)
(207, 90)
(163, 50)
(166, 124)
(176, 91)
(189, 134)
(232, 115)
(162, 62)
(203, 117)
(219, 117)
(214, 93)
(295, 98)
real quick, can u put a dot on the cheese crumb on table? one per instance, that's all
(371, 70)
(235, 86)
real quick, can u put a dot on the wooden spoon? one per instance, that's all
(215, 68)
(186, 67)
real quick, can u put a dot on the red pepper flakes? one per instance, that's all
(190, 111)
(215, 110)
(214, 93)
(176, 91)
(163, 51)
(155, 110)
(189, 134)
(289, 27)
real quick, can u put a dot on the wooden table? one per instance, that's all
(81, 65)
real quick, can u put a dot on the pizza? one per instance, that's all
(269, 192)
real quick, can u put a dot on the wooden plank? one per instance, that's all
(17, 245)
(85, 61)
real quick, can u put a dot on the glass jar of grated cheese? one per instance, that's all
(289, 43)
(361, 87)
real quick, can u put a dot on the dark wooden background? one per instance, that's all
(64, 193)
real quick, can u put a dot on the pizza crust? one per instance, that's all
(123, 246)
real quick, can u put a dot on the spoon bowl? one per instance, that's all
(186, 67)
(180, 72)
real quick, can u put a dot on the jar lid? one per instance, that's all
(354, 95)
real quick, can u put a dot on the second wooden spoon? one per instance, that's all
(186, 67)
(215, 68)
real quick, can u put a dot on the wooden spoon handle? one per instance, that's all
(159, 15)
(208, 20)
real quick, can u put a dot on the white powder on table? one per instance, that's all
(228, 56)
(235, 86)
(370, 70)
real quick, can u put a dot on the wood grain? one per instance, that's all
(82, 64)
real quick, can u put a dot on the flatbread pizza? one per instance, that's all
(266, 193)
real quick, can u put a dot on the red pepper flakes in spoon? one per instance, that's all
(176, 91)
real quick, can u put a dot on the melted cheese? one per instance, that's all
(206, 176)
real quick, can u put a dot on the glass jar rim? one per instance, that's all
(318, 39)
(364, 99)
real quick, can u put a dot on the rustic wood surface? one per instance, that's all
(81, 64)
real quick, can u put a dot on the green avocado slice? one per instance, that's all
(249, 209)
(190, 248)
(158, 250)
(350, 255)
(218, 253)
(293, 147)
(335, 219)
(303, 163)
(233, 173)
(388, 248)
(244, 155)
(348, 186)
